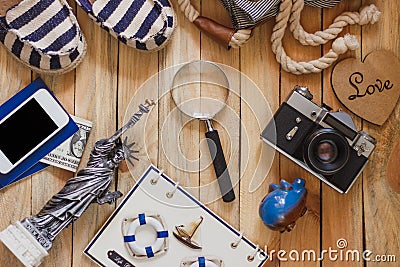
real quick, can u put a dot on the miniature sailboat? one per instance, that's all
(189, 235)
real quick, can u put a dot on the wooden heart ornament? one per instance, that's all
(370, 89)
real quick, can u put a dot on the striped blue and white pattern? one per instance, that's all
(247, 14)
(43, 34)
(142, 24)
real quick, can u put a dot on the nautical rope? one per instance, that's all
(190, 11)
(290, 11)
(367, 15)
(339, 46)
(238, 39)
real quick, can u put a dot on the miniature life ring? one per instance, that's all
(149, 251)
(202, 262)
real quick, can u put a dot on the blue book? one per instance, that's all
(31, 164)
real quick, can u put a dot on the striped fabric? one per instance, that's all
(247, 14)
(43, 34)
(142, 24)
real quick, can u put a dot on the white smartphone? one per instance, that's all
(28, 127)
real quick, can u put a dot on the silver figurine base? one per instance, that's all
(23, 244)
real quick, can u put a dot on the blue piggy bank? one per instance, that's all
(283, 205)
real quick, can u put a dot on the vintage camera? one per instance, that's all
(325, 143)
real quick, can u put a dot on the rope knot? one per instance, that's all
(240, 38)
(369, 14)
(342, 44)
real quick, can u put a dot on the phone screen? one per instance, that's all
(24, 130)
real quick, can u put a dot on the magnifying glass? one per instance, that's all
(200, 90)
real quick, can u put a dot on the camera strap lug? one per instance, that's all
(292, 133)
(364, 144)
(361, 148)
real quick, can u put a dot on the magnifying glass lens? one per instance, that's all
(200, 89)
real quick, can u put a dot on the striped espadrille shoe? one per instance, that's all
(42, 34)
(143, 24)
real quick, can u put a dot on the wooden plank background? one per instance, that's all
(100, 90)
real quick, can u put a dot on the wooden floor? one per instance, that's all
(100, 90)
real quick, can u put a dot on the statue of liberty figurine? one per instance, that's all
(91, 185)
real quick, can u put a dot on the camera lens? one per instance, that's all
(326, 151)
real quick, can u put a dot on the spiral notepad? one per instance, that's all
(155, 193)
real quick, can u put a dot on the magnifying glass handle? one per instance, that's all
(221, 170)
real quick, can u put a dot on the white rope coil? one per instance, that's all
(367, 15)
(291, 10)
